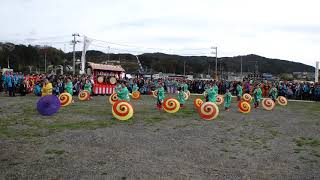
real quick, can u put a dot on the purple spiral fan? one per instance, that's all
(48, 105)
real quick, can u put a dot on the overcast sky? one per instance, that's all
(285, 29)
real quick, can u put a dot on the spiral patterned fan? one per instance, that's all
(209, 111)
(244, 107)
(282, 101)
(188, 93)
(197, 103)
(268, 104)
(65, 99)
(171, 105)
(185, 96)
(84, 95)
(135, 95)
(155, 94)
(113, 98)
(247, 97)
(220, 100)
(122, 110)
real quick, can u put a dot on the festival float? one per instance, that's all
(105, 77)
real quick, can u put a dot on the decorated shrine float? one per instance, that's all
(105, 77)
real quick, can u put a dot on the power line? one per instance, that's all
(142, 52)
(118, 49)
(150, 48)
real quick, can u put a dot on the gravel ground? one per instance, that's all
(83, 141)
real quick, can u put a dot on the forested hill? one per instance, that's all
(22, 56)
(159, 62)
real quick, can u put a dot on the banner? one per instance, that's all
(86, 43)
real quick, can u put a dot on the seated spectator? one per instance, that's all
(37, 89)
(23, 88)
(46, 88)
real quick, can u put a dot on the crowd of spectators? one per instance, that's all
(291, 90)
(18, 83)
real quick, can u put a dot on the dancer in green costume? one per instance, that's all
(87, 86)
(227, 100)
(160, 96)
(239, 92)
(124, 93)
(257, 94)
(273, 93)
(181, 97)
(212, 95)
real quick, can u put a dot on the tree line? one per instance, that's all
(21, 57)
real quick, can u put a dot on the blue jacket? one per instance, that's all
(37, 90)
(10, 81)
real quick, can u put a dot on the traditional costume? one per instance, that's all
(160, 97)
(181, 98)
(239, 92)
(117, 88)
(227, 100)
(215, 87)
(212, 95)
(273, 93)
(123, 94)
(88, 87)
(185, 87)
(257, 93)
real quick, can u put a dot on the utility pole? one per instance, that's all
(9, 47)
(217, 63)
(316, 74)
(216, 52)
(74, 42)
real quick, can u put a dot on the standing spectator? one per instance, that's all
(305, 91)
(289, 92)
(311, 93)
(10, 84)
(317, 92)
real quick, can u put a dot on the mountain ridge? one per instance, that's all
(22, 56)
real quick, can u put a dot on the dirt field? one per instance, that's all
(84, 141)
